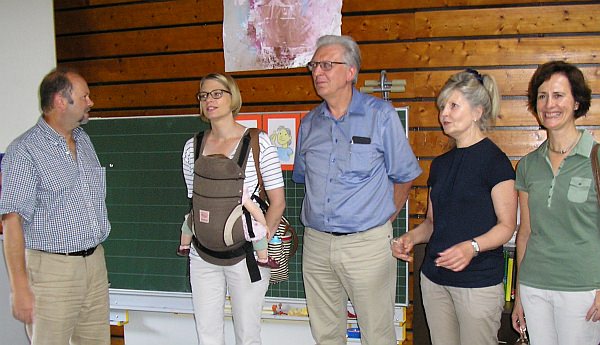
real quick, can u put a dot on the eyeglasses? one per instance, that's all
(215, 94)
(325, 65)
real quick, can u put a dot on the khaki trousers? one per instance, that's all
(71, 299)
(460, 316)
(359, 266)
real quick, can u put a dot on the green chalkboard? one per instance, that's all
(146, 200)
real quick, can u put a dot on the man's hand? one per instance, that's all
(23, 305)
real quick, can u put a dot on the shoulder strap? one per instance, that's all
(254, 133)
(243, 151)
(198, 143)
(596, 169)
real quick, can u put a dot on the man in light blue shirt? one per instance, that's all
(355, 161)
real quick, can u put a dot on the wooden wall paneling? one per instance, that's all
(514, 142)
(149, 68)
(511, 82)
(141, 42)
(389, 27)
(483, 52)
(509, 21)
(517, 142)
(182, 93)
(138, 15)
(509, 2)
(70, 4)
(350, 6)
(421, 181)
(513, 113)
(417, 201)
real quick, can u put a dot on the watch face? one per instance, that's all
(475, 246)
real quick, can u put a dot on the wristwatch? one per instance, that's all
(475, 247)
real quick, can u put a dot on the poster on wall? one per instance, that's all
(283, 130)
(270, 34)
(249, 120)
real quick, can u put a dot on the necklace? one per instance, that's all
(562, 152)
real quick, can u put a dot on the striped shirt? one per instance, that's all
(270, 166)
(61, 200)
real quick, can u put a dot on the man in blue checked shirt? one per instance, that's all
(54, 216)
(357, 167)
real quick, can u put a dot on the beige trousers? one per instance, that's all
(459, 316)
(358, 266)
(71, 299)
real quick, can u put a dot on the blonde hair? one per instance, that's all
(230, 85)
(479, 90)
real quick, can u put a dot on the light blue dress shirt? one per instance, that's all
(349, 165)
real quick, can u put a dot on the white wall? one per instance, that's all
(27, 53)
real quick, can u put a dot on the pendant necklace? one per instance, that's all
(562, 152)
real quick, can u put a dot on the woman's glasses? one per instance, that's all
(215, 94)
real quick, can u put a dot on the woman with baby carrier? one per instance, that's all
(219, 169)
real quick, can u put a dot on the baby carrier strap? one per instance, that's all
(198, 141)
(245, 250)
(243, 152)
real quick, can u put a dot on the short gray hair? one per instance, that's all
(351, 51)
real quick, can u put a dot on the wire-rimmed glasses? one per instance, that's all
(325, 65)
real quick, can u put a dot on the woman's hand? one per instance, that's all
(518, 317)
(594, 313)
(402, 246)
(457, 257)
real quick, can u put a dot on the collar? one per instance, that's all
(53, 135)
(583, 147)
(356, 107)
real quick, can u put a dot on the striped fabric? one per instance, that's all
(270, 166)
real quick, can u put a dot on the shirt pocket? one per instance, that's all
(579, 188)
(362, 157)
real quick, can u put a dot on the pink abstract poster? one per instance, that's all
(270, 34)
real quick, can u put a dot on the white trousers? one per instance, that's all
(209, 286)
(558, 317)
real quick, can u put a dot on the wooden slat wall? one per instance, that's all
(146, 58)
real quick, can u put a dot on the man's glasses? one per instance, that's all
(215, 94)
(325, 65)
